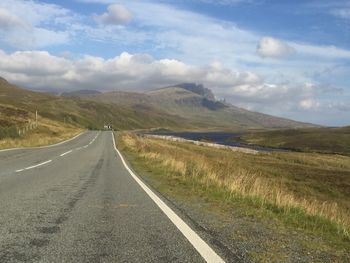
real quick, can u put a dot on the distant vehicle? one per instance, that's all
(108, 127)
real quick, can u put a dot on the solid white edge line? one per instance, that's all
(20, 170)
(63, 154)
(37, 165)
(208, 254)
(42, 147)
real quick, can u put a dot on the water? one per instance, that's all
(223, 138)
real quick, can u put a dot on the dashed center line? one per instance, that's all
(63, 154)
(93, 139)
(37, 165)
(34, 166)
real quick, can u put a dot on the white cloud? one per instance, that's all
(30, 24)
(342, 13)
(32, 64)
(116, 15)
(309, 104)
(10, 21)
(269, 47)
(321, 52)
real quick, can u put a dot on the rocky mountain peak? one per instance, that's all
(198, 89)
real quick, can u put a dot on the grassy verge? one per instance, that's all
(48, 132)
(307, 193)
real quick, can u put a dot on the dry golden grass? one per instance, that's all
(48, 132)
(315, 183)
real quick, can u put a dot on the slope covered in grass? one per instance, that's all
(329, 140)
(87, 114)
(48, 132)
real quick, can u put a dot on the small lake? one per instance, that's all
(223, 138)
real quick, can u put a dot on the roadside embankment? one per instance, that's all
(46, 133)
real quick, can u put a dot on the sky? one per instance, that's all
(285, 58)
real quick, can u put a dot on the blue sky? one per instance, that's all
(286, 58)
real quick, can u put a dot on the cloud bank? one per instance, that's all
(41, 70)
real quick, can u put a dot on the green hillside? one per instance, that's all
(329, 140)
(88, 114)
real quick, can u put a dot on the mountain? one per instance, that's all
(18, 105)
(197, 105)
(183, 106)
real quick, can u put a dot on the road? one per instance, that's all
(77, 202)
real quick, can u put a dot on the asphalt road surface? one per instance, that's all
(77, 202)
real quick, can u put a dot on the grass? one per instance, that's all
(48, 132)
(8, 132)
(302, 191)
(326, 140)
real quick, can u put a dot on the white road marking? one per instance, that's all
(63, 154)
(197, 242)
(37, 165)
(92, 141)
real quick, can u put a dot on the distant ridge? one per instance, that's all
(198, 89)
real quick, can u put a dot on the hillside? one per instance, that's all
(78, 93)
(197, 105)
(328, 140)
(18, 106)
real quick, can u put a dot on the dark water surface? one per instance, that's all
(224, 138)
